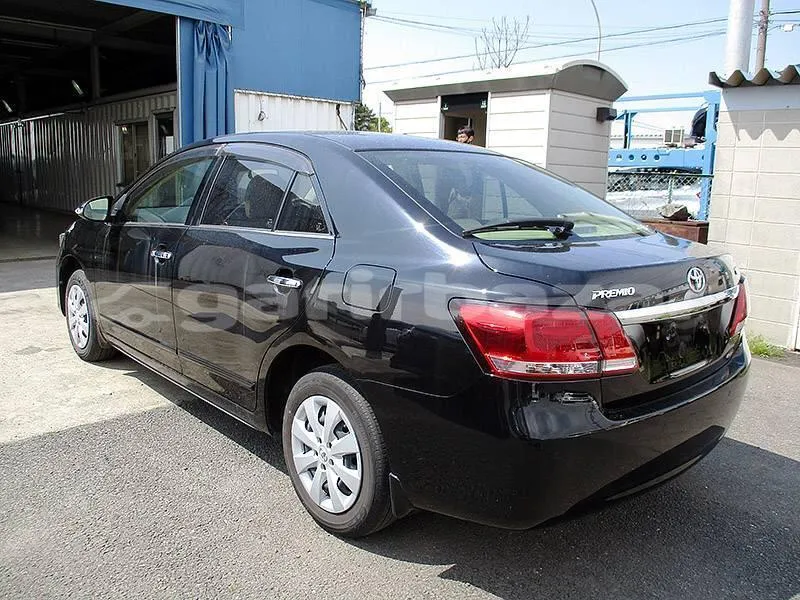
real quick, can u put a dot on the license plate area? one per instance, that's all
(675, 348)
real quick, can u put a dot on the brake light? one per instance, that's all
(739, 312)
(545, 343)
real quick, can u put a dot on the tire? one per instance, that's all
(82, 320)
(364, 511)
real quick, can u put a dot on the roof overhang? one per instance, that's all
(584, 77)
(788, 76)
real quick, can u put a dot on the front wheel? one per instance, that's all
(81, 320)
(335, 455)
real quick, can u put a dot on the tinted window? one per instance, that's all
(467, 190)
(247, 193)
(302, 210)
(169, 197)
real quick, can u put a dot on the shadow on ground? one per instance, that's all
(729, 528)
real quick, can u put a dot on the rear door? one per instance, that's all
(247, 267)
(135, 293)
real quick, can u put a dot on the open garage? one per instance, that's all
(93, 92)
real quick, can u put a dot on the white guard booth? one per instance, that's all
(557, 116)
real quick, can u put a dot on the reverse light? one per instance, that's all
(739, 315)
(543, 343)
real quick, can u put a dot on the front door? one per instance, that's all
(246, 270)
(135, 298)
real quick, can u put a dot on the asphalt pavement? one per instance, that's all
(115, 483)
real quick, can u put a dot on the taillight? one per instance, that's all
(739, 311)
(545, 343)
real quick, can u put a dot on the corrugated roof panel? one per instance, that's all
(788, 76)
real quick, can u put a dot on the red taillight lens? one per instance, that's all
(545, 343)
(739, 311)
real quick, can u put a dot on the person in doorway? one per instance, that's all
(466, 135)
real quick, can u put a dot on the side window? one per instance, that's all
(302, 211)
(169, 198)
(247, 193)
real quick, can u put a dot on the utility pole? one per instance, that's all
(763, 25)
(599, 29)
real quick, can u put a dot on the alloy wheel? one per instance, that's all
(78, 316)
(326, 454)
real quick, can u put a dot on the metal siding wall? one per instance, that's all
(306, 48)
(284, 113)
(68, 158)
(420, 117)
(7, 178)
(518, 125)
(578, 144)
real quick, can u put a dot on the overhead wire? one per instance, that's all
(563, 56)
(551, 44)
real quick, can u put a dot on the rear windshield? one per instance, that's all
(468, 190)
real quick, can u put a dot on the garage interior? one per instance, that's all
(56, 54)
(73, 78)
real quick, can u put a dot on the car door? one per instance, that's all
(247, 267)
(135, 297)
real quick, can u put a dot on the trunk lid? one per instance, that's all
(636, 278)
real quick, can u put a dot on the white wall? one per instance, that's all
(420, 117)
(286, 113)
(517, 125)
(755, 202)
(577, 144)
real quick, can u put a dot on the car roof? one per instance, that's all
(354, 140)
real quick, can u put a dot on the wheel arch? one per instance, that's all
(282, 368)
(66, 267)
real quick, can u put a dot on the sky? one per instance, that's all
(671, 67)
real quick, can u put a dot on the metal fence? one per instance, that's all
(641, 193)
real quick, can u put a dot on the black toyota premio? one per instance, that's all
(424, 324)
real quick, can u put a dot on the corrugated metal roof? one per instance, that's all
(788, 76)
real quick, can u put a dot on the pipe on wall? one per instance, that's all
(738, 39)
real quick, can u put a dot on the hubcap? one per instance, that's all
(78, 316)
(326, 454)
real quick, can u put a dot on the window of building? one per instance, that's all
(135, 151)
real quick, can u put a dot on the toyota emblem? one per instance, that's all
(696, 279)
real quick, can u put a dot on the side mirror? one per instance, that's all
(95, 209)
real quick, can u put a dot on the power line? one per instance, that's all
(562, 43)
(574, 55)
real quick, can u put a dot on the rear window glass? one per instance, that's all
(469, 190)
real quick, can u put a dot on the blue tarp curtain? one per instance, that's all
(224, 12)
(212, 88)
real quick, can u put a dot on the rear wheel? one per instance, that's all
(81, 320)
(335, 455)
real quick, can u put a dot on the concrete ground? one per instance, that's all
(115, 483)
(27, 234)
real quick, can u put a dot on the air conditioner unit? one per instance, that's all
(673, 137)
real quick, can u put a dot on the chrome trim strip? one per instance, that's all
(690, 369)
(675, 310)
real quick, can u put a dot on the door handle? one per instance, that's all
(161, 254)
(286, 282)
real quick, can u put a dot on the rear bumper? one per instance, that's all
(506, 461)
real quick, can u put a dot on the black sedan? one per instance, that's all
(424, 324)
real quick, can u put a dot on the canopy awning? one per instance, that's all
(223, 12)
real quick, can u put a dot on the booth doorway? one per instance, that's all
(462, 110)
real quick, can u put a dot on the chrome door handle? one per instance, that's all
(161, 254)
(287, 282)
